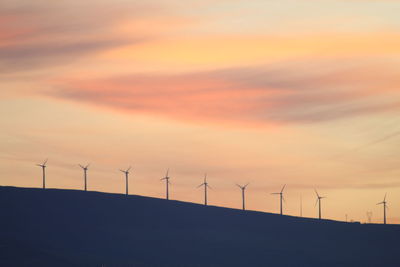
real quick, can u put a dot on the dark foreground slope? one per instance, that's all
(75, 228)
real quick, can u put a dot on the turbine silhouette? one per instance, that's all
(167, 183)
(243, 188)
(384, 203)
(43, 166)
(126, 178)
(280, 197)
(369, 216)
(85, 168)
(301, 205)
(319, 203)
(205, 184)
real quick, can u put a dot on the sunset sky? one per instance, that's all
(298, 92)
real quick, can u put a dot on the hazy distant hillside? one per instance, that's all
(74, 228)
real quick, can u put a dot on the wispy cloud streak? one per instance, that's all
(44, 34)
(259, 95)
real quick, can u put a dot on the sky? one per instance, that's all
(298, 92)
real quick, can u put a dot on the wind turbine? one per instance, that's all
(243, 188)
(85, 168)
(205, 184)
(319, 203)
(281, 196)
(167, 182)
(369, 216)
(384, 208)
(301, 206)
(126, 178)
(43, 166)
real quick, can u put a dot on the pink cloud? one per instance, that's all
(42, 34)
(265, 95)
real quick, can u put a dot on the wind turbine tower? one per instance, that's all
(319, 203)
(243, 188)
(384, 203)
(126, 178)
(43, 166)
(205, 184)
(85, 168)
(281, 198)
(167, 183)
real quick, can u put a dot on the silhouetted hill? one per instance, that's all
(74, 228)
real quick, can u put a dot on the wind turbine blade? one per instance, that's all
(209, 186)
(40, 165)
(239, 186)
(379, 203)
(166, 175)
(81, 166)
(44, 163)
(384, 199)
(130, 167)
(283, 188)
(199, 185)
(275, 193)
(316, 192)
(162, 178)
(87, 166)
(316, 202)
(246, 185)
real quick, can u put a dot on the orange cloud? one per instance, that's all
(225, 51)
